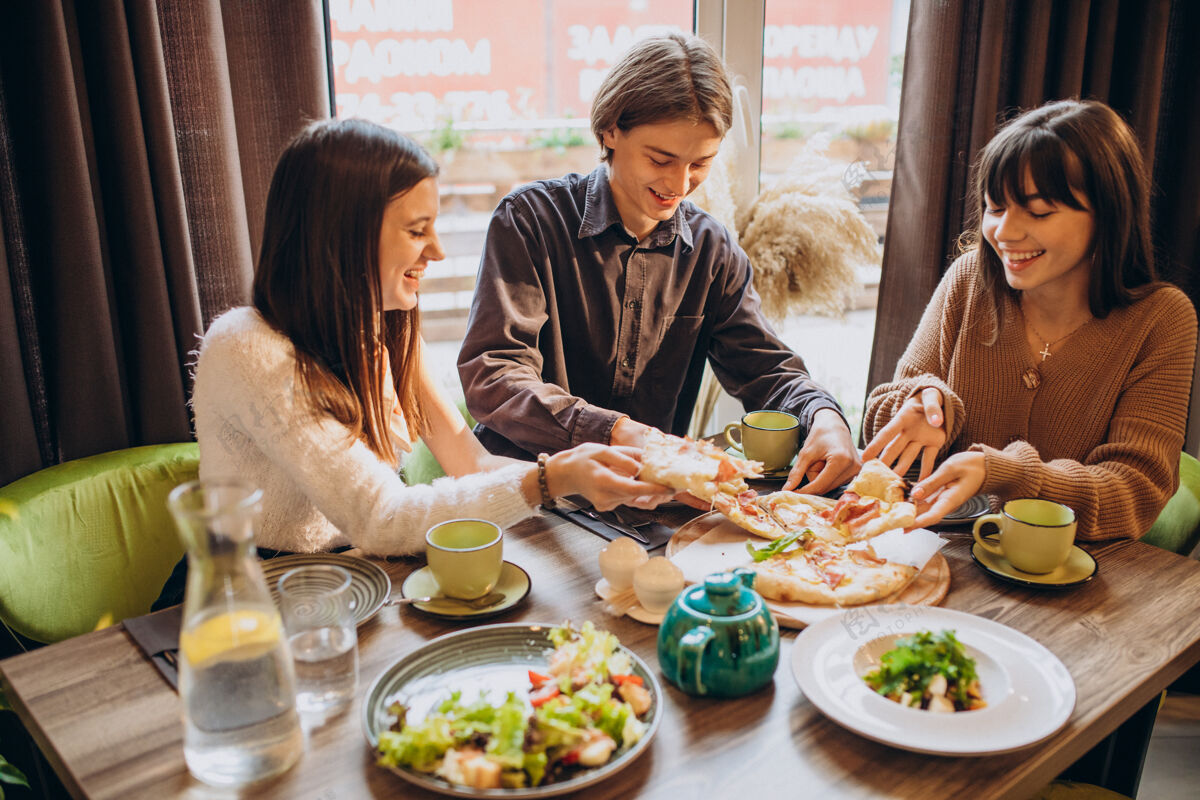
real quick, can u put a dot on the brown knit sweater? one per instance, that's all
(1100, 431)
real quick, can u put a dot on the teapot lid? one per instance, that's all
(726, 594)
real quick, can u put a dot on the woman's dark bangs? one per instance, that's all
(1046, 159)
(1050, 162)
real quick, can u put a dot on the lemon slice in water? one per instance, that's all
(230, 636)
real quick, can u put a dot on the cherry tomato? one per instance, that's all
(544, 694)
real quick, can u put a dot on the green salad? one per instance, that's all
(930, 671)
(586, 707)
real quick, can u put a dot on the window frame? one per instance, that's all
(736, 29)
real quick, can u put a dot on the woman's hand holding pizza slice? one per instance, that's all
(918, 430)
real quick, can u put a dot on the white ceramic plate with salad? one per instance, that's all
(484, 665)
(1028, 692)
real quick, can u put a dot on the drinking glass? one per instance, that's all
(318, 616)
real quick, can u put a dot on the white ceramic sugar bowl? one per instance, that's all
(656, 583)
(618, 561)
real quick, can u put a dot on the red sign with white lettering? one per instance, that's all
(420, 64)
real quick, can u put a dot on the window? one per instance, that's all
(499, 91)
(830, 89)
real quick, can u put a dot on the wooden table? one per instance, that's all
(110, 725)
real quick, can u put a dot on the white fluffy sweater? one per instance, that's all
(322, 487)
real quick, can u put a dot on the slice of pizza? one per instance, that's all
(744, 511)
(859, 518)
(823, 573)
(876, 479)
(873, 504)
(795, 512)
(698, 467)
(850, 519)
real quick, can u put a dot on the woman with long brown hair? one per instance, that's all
(312, 392)
(1050, 362)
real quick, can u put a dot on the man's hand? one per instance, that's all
(957, 480)
(606, 476)
(628, 432)
(828, 458)
(918, 430)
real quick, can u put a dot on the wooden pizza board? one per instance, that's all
(928, 588)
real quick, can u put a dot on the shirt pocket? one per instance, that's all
(677, 340)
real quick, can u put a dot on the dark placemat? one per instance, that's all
(656, 533)
(157, 635)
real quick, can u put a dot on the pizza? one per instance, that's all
(745, 511)
(798, 512)
(858, 518)
(698, 467)
(872, 504)
(819, 556)
(822, 573)
(876, 479)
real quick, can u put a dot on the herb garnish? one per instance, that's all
(779, 545)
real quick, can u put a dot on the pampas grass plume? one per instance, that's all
(806, 239)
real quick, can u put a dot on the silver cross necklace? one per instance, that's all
(1045, 351)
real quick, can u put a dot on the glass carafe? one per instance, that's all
(236, 677)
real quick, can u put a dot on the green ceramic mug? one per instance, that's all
(772, 437)
(465, 556)
(1035, 535)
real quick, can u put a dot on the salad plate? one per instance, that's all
(1029, 693)
(370, 586)
(489, 660)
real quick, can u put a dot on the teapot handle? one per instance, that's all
(691, 652)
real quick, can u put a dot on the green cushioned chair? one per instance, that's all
(420, 466)
(88, 543)
(1178, 526)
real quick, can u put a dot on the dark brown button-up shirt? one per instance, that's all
(576, 323)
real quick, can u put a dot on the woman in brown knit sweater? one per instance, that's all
(1051, 362)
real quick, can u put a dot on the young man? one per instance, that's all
(601, 296)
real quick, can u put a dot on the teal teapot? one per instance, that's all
(719, 639)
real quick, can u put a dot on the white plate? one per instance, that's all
(1029, 693)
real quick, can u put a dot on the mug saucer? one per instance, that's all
(514, 584)
(768, 474)
(1080, 567)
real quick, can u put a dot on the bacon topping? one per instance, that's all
(853, 509)
(726, 469)
(836, 514)
(832, 577)
(866, 557)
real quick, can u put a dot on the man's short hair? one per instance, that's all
(663, 79)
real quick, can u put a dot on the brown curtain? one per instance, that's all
(136, 144)
(970, 65)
